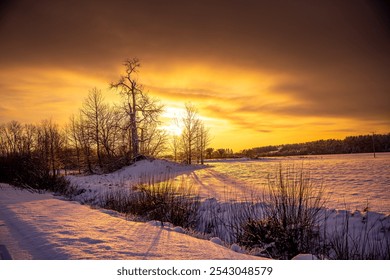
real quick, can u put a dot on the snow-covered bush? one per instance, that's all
(291, 214)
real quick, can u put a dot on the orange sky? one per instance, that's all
(260, 72)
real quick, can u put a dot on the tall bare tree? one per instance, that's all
(132, 91)
(110, 131)
(142, 110)
(94, 111)
(81, 141)
(74, 139)
(175, 145)
(191, 124)
(202, 141)
(49, 145)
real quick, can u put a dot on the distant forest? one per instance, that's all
(351, 144)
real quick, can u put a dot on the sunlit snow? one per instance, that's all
(40, 226)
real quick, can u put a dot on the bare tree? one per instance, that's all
(152, 140)
(202, 141)
(131, 90)
(142, 110)
(86, 143)
(73, 134)
(12, 135)
(29, 138)
(111, 129)
(221, 153)
(209, 152)
(174, 145)
(191, 124)
(81, 141)
(94, 111)
(49, 145)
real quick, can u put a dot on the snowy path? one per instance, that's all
(40, 226)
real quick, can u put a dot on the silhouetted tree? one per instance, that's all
(191, 124)
(209, 152)
(94, 110)
(202, 141)
(142, 110)
(175, 146)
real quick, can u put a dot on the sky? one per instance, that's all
(259, 72)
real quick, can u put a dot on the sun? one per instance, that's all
(171, 120)
(173, 129)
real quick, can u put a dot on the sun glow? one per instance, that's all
(172, 129)
(171, 120)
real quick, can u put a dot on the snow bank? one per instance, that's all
(91, 186)
(305, 257)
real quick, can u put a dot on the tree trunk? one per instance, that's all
(134, 136)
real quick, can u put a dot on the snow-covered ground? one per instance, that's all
(41, 226)
(351, 181)
(126, 178)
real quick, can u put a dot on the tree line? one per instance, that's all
(100, 137)
(369, 143)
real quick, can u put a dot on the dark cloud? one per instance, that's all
(332, 55)
(269, 34)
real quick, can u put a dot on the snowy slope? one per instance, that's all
(125, 178)
(205, 181)
(40, 226)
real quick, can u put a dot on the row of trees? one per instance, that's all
(31, 154)
(102, 136)
(352, 144)
(219, 153)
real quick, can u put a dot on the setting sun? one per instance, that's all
(171, 120)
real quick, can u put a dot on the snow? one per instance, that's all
(126, 178)
(236, 248)
(305, 257)
(42, 226)
(351, 181)
(216, 240)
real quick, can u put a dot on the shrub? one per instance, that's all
(29, 172)
(165, 201)
(289, 225)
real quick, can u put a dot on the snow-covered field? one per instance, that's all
(351, 181)
(40, 226)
